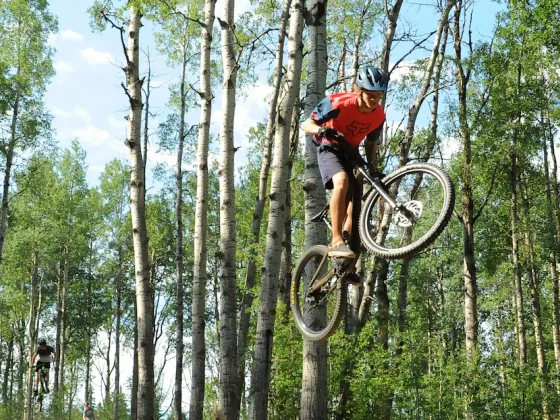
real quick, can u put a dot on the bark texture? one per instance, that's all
(250, 279)
(144, 287)
(467, 212)
(201, 219)
(262, 363)
(314, 375)
(179, 346)
(227, 254)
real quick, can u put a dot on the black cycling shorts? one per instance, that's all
(40, 364)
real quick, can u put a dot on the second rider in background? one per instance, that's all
(46, 354)
(356, 115)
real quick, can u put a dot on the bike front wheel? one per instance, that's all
(425, 198)
(317, 295)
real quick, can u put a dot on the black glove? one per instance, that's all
(328, 133)
(372, 170)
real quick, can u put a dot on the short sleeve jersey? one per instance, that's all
(88, 413)
(340, 111)
(45, 354)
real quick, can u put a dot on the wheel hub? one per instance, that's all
(408, 213)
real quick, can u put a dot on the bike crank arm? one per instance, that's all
(321, 283)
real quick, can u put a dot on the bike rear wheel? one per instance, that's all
(426, 197)
(317, 314)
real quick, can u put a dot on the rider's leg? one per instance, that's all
(348, 221)
(47, 379)
(338, 205)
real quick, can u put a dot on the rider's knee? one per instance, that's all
(341, 182)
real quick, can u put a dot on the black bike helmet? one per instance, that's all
(42, 342)
(372, 78)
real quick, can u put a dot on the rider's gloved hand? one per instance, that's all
(372, 170)
(328, 133)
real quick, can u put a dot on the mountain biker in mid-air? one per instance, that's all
(356, 115)
(46, 354)
(88, 412)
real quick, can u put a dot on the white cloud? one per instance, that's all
(96, 57)
(78, 112)
(57, 112)
(403, 69)
(62, 67)
(82, 114)
(118, 124)
(162, 157)
(51, 40)
(70, 35)
(92, 136)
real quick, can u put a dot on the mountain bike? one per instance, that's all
(42, 386)
(403, 213)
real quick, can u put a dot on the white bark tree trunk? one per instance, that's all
(179, 346)
(117, 345)
(8, 170)
(314, 375)
(244, 318)
(262, 363)
(227, 254)
(32, 338)
(144, 288)
(467, 212)
(552, 211)
(201, 223)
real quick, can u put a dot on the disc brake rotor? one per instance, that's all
(408, 213)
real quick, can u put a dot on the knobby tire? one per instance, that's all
(296, 297)
(426, 239)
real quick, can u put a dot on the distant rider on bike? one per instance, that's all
(46, 354)
(356, 115)
(88, 412)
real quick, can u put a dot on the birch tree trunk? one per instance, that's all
(552, 208)
(262, 363)
(179, 346)
(8, 169)
(519, 306)
(534, 289)
(467, 212)
(514, 220)
(32, 339)
(134, 387)
(146, 109)
(117, 344)
(61, 350)
(201, 221)
(8, 371)
(108, 363)
(314, 374)
(59, 326)
(227, 255)
(250, 279)
(286, 263)
(144, 288)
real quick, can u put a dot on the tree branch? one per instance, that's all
(121, 30)
(416, 45)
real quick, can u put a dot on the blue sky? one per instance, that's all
(88, 103)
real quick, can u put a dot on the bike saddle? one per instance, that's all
(322, 214)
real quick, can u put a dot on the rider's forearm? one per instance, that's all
(310, 126)
(371, 153)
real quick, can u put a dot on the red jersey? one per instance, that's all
(340, 111)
